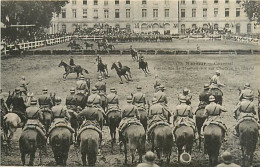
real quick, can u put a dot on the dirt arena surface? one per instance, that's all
(176, 71)
(176, 44)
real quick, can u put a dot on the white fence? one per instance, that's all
(33, 45)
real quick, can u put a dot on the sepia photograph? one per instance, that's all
(130, 83)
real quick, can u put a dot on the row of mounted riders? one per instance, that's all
(133, 131)
(100, 43)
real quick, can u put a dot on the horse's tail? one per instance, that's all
(86, 71)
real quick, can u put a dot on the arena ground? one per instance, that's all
(176, 71)
(176, 44)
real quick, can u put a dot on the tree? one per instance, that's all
(38, 13)
(252, 9)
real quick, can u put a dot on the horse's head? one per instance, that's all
(61, 63)
(113, 66)
(9, 99)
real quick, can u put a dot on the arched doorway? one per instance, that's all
(249, 28)
(238, 28)
(167, 29)
(144, 27)
(155, 27)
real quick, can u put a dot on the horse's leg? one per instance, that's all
(125, 152)
(133, 156)
(32, 156)
(23, 158)
(121, 80)
(199, 131)
(243, 156)
(179, 152)
(83, 158)
(126, 77)
(40, 156)
(112, 138)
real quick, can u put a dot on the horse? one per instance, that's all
(125, 71)
(60, 140)
(89, 144)
(110, 46)
(162, 141)
(88, 45)
(143, 116)
(134, 55)
(101, 44)
(248, 130)
(217, 93)
(144, 66)
(74, 46)
(29, 141)
(113, 120)
(213, 136)
(184, 136)
(199, 119)
(69, 69)
(134, 136)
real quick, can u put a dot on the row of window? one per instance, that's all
(205, 1)
(205, 12)
(117, 13)
(95, 2)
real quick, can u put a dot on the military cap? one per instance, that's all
(211, 98)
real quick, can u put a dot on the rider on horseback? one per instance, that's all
(61, 115)
(81, 85)
(215, 82)
(139, 98)
(185, 94)
(112, 100)
(246, 109)
(129, 112)
(71, 101)
(204, 96)
(34, 117)
(141, 60)
(212, 113)
(72, 61)
(23, 86)
(18, 105)
(95, 100)
(4, 108)
(119, 64)
(100, 85)
(162, 98)
(99, 61)
(246, 93)
(45, 101)
(183, 114)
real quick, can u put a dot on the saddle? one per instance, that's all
(90, 124)
(112, 108)
(247, 116)
(60, 122)
(34, 124)
(215, 120)
(153, 124)
(126, 122)
(185, 121)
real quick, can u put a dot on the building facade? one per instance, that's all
(164, 16)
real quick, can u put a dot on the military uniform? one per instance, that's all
(19, 106)
(204, 97)
(188, 98)
(157, 112)
(139, 99)
(157, 83)
(89, 113)
(23, 86)
(71, 102)
(34, 117)
(215, 82)
(45, 101)
(81, 85)
(112, 101)
(247, 93)
(95, 100)
(161, 97)
(101, 86)
(72, 62)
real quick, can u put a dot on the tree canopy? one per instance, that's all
(252, 9)
(30, 12)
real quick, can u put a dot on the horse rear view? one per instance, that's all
(163, 141)
(89, 146)
(134, 137)
(11, 122)
(248, 131)
(213, 135)
(29, 142)
(60, 140)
